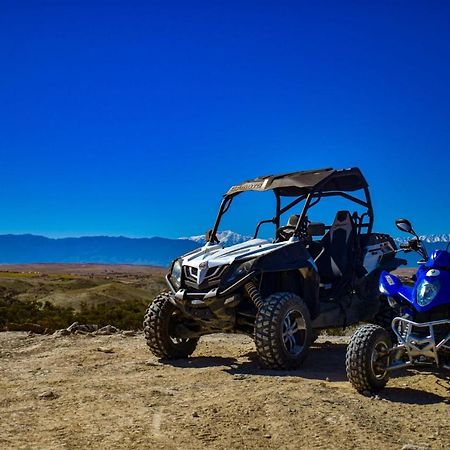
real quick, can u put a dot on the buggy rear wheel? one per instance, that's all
(367, 358)
(283, 331)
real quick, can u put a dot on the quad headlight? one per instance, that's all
(176, 272)
(426, 292)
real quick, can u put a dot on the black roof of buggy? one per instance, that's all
(298, 183)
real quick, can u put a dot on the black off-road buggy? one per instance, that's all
(282, 292)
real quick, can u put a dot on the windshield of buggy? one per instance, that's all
(256, 214)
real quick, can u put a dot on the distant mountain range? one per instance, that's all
(157, 251)
(429, 238)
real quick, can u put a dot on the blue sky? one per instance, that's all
(132, 118)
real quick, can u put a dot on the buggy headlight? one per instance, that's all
(239, 271)
(176, 272)
(426, 292)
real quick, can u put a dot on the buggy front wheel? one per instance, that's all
(160, 324)
(283, 331)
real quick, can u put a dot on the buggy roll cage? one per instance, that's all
(328, 184)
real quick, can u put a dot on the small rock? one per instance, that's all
(108, 329)
(240, 376)
(251, 428)
(195, 414)
(72, 328)
(62, 332)
(413, 447)
(128, 333)
(152, 363)
(268, 436)
(50, 395)
(105, 350)
(327, 379)
(81, 332)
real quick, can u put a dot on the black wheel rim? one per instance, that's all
(294, 332)
(174, 321)
(379, 360)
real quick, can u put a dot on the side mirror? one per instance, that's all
(316, 229)
(404, 225)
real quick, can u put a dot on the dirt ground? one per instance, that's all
(81, 392)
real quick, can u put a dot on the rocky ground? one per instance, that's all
(82, 391)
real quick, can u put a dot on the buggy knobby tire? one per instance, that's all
(367, 356)
(277, 345)
(159, 324)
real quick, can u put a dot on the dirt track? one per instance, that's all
(69, 393)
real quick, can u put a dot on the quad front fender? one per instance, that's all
(391, 286)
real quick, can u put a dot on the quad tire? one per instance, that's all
(159, 330)
(367, 358)
(283, 331)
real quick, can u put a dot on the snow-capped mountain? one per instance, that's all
(432, 242)
(227, 238)
(430, 238)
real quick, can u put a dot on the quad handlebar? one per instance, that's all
(415, 245)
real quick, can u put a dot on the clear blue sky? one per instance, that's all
(132, 118)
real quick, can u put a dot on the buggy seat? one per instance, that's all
(334, 263)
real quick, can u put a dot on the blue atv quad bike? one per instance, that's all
(421, 328)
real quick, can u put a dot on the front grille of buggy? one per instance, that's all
(213, 274)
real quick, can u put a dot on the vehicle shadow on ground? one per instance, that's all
(200, 362)
(410, 396)
(324, 362)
